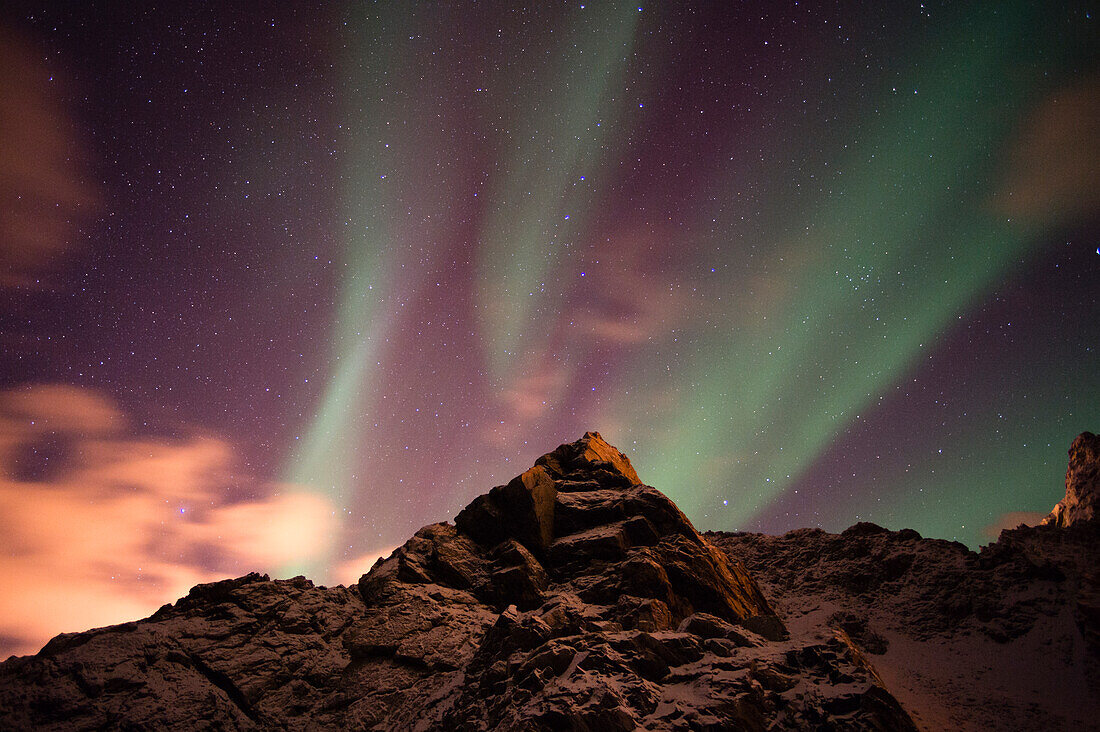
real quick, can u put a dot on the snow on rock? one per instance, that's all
(1004, 639)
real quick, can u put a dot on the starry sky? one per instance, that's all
(283, 282)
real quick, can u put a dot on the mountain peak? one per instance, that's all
(589, 453)
(1082, 484)
(524, 508)
(582, 505)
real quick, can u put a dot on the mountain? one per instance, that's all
(576, 597)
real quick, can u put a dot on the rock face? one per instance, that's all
(1082, 483)
(574, 597)
(246, 653)
(1006, 638)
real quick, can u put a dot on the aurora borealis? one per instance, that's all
(283, 284)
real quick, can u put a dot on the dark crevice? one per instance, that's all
(218, 679)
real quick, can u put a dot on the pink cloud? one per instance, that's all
(531, 394)
(127, 523)
(349, 572)
(627, 304)
(43, 193)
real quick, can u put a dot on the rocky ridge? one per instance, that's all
(1005, 638)
(576, 597)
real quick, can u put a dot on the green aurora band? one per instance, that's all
(845, 295)
(554, 163)
(572, 127)
(909, 240)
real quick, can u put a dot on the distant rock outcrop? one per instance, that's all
(576, 598)
(1082, 483)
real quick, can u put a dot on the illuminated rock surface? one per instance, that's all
(1082, 483)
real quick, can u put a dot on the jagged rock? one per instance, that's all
(1007, 638)
(857, 628)
(582, 517)
(249, 653)
(576, 597)
(1082, 483)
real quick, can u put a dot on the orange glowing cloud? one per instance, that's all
(1010, 521)
(531, 394)
(99, 526)
(349, 572)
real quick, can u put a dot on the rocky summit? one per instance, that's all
(577, 598)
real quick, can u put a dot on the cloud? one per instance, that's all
(531, 394)
(349, 572)
(60, 407)
(43, 195)
(1054, 169)
(622, 302)
(99, 525)
(1011, 520)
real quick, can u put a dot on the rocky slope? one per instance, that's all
(1002, 639)
(575, 597)
(1006, 638)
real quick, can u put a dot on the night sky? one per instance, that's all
(281, 284)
